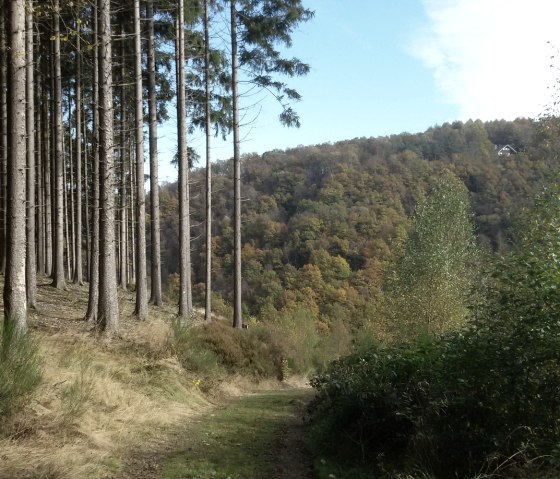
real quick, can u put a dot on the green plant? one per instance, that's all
(482, 398)
(75, 397)
(430, 283)
(193, 354)
(20, 371)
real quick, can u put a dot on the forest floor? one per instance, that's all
(123, 407)
(260, 435)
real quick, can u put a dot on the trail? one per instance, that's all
(259, 436)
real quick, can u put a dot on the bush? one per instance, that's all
(481, 398)
(188, 344)
(20, 372)
(291, 344)
(461, 402)
(450, 405)
(216, 349)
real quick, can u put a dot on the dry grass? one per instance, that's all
(99, 399)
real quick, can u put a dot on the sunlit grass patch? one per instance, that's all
(238, 441)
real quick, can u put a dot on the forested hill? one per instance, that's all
(321, 222)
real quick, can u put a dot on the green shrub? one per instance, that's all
(459, 403)
(483, 398)
(216, 349)
(452, 406)
(289, 345)
(188, 344)
(20, 371)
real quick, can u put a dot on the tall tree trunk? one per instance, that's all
(3, 134)
(69, 197)
(78, 265)
(208, 111)
(93, 296)
(31, 255)
(65, 198)
(46, 165)
(132, 226)
(40, 193)
(87, 208)
(123, 263)
(156, 297)
(108, 307)
(58, 273)
(185, 294)
(15, 300)
(141, 309)
(237, 311)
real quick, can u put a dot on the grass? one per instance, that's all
(99, 402)
(20, 372)
(240, 441)
(114, 407)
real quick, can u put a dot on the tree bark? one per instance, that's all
(132, 226)
(156, 297)
(123, 220)
(40, 194)
(86, 206)
(46, 165)
(93, 294)
(68, 194)
(208, 111)
(185, 294)
(78, 264)
(108, 307)
(15, 300)
(58, 273)
(141, 309)
(31, 256)
(237, 311)
(3, 134)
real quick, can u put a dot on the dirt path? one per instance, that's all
(260, 436)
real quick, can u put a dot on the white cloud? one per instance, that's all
(491, 57)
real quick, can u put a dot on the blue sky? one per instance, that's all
(387, 66)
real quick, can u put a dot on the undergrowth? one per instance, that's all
(292, 346)
(76, 396)
(20, 371)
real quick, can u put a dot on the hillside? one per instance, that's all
(125, 407)
(322, 222)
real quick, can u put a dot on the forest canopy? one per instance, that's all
(322, 223)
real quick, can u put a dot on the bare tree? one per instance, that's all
(93, 296)
(156, 297)
(3, 134)
(15, 300)
(78, 265)
(185, 294)
(123, 217)
(58, 271)
(31, 257)
(108, 307)
(46, 167)
(208, 126)
(141, 309)
(237, 311)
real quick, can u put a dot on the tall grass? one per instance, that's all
(76, 396)
(20, 371)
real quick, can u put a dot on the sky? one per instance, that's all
(382, 67)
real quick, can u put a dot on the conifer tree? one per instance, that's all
(257, 29)
(15, 299)
(108, 306)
